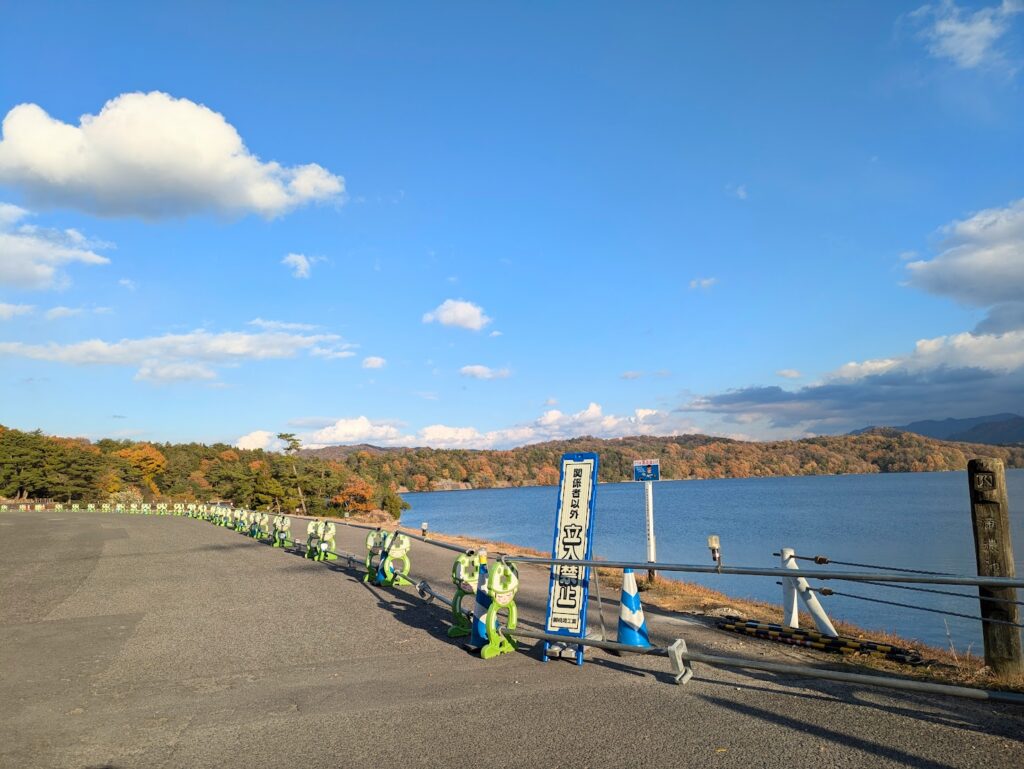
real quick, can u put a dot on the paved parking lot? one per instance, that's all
(131, 641)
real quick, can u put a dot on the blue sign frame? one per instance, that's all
(584, 579)
(647, 472)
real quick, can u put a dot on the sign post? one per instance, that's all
(990, 514)
(649, 471)
(574, 521)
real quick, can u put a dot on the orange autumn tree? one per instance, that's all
(357, 497)
(148, 461)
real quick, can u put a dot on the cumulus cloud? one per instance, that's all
(477, 371)
(556, 425)
(980, 264)
(788, 373)
(153, 156)
(334, 353)
(8, 311)
(174, 357)
(374, 361)
(967, 38)
(127, 283)
(958, 375)
(458, 312)
(260, 439)
(280, 325)
(703, 283)
(631, 374)
(358, 430)
(175, 371)
(300, 264)
(56, 313)
(551, 425)
(34, 257)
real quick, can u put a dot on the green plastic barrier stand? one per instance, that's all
(376, 541)
(314, 531)
(502, 584)
(282, 525)
(465, 572)
(395, 568)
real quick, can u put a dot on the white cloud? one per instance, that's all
(260, 439)
(176, 371)
(959, 375)
(300, 264)
(981, 264)
(280, 325)
(483, 372)
(495, 333)
(337, 353)
(631, 374)
(703, 283)
(8, 311)
(556, 425)
(127, 283)
(153, 156)
(34, 257)
(374, 361)
(788, 373)
(738, 191)
(996, 353)
(173, 357)
(458, 312)
(551, 425)
(358, 430)
(966, 38)
(57, 313)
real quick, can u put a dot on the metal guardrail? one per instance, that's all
(747, 571)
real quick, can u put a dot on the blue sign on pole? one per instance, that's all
(646, 470)
(569, 585)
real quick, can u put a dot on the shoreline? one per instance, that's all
(401, 490)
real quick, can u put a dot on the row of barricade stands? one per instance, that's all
(493, 590)
(483, 610)
(387, 564)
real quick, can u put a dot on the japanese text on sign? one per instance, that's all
(568, 595)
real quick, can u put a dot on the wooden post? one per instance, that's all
(990, 514)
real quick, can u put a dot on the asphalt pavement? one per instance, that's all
(158, 641)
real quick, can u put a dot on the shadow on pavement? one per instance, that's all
(815, 730)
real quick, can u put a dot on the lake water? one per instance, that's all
(908, 520)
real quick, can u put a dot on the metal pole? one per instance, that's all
(855, 678)
(790, 608)
(652, 549)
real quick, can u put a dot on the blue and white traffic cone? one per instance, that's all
(632, 625)
(478, 628)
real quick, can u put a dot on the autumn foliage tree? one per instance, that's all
(148, 461)
(357, 497)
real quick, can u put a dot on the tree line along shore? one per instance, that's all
(358, 479)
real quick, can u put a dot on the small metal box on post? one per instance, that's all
(990, 515)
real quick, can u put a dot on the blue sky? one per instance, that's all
(455, 225)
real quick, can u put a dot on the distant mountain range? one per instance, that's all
(996, 429)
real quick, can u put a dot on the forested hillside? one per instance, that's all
(33, 465)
